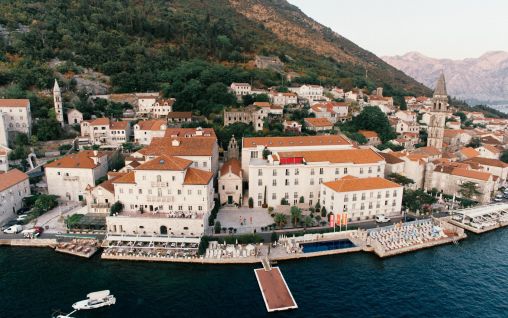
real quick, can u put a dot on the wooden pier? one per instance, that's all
(274, 289)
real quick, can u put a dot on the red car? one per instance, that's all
(38, 229)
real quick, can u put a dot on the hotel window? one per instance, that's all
(260, 196)
(170, 207)
(297, 172)
(311, 181)
(190, 207)
(379, 195)
(377, 205)
(345, 207)
(274, 196)
(254, 154)
(361, 170)
(386, 202)
(370, 205)
(274, 182)
(354, 197)
(205, 164)
(346, 198)
(200, 192)
(149, 191)
(321, 171)
(140, 191)
(394, 193)
(320, 180)
(260, 172)
(173, 178)
(311, 195)
(121, 190)
(260, 182)
(378, 168)
(295, 195)
(394, 203)
(189, 192)
(286, 195)
(370, 169)
(387, 193)
(333, 197)
(179, 192)
(296, 181)
(337, 171)
(180, 208)
(363, 196)
(371, 194)
(345, 170)
(159, 192)
(312, 171)
(362, 206)
(287, 172)
(274, 173)
(200, 208)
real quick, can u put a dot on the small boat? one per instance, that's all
(95, 300)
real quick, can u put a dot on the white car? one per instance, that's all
(382, 219)
(498, 198)
(22, 217)
(13, 229)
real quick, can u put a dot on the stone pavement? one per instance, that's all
(251, 218)
(54, 219)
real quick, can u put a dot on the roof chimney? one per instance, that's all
(175, 143)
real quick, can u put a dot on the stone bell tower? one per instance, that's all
(57, 100)
(233, 152)
(438, 114)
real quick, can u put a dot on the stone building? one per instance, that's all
(14, 186)
(230, 183)
(74, 116)
(438, 115)
(58, 103)
(233, 152)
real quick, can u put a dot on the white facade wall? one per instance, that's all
(144, 137)
(293, 181)
(230, 185)
(17, 119)
(363, 205)
(11, 199)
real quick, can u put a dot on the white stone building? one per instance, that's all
(253, 147)
(230, 183)
(74, 116)
(146, 130)
(240, 89)
(102, 131)
(14, 186)
(16, 116)
(69, 176)
(283, 99)
(294, 174)
(362, 198)
(333, 111)
(163, 197)
(310, 92)
(4, 158)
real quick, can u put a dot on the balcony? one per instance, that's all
(160, 184)
(154, 198)
(100, 205)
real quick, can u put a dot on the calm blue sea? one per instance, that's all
(468, 280)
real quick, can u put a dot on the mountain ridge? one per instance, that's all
(483, 79)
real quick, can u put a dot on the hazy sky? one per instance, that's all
(438, 28)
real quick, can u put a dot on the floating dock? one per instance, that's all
(274, 289)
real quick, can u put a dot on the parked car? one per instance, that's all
(382, 219)
(22, 217)
(498, 198)
(22, 211)
(9, 224)
(13, 229)
(38, 229)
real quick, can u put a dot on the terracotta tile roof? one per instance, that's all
(180, 115)
(4, 150)
(487, 162)
(252, 142)
(234, 164)
(166, 101)
(327, 106)
(368, 133)
(127, 178)
(469, 152)
(114, 174)
(119, 125)
(492, 149)
(357, 156)
(80, 160)
(389, 158)
(490, 140)
(99, 122)
(11, 178)
(472, 174)
(189, 132)
(360, 184)
(428, 150)
(261, 104)
(450, 133)
(155, 124)
(185, 147)
(318, 122)
(197, 177)
(14, 102)
(108, 184)
(134, 164)
(165, 162)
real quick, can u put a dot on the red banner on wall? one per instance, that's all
(332, 220)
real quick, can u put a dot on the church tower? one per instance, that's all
(233, 152)
(438, 114)
(57, 99)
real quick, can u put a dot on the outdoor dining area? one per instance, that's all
(403, 235)
(151, 249)
(217, 250)
(79, 247)
(482, 219)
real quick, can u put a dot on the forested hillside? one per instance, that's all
(189, 49)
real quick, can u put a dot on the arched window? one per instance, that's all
(159, 178)
(164, 230)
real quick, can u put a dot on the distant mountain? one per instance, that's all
(483, 79)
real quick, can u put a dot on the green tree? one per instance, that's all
(372, 118)
(217, 227)
(296, 215)
(116, 208)
(280, 219)
(469, 190)
(307, 221)
(504, 156)
(400, 179)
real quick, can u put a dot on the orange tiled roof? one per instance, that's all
(368, 133)
(180, 115)
(357, 156)
(234, 164)
(472, 174)
(492, 149)
(99, 122)
(428, 150)
(469, 152)
(318, 122)
(186, 147)
(487, 162)
(119, 125)
(189, 132)
(5, 102)
(126, 178)
(390, 158)
(80, 160)
(154, 124)
(197, 177)
(350, 184)
(11, 178)
(262, 104)
(108, 184)
(165, 162)
(252, 142)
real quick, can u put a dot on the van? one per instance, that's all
(13, 229)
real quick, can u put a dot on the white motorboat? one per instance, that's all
(95, 300)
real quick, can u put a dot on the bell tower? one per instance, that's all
(57, 100)
(438, 114)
